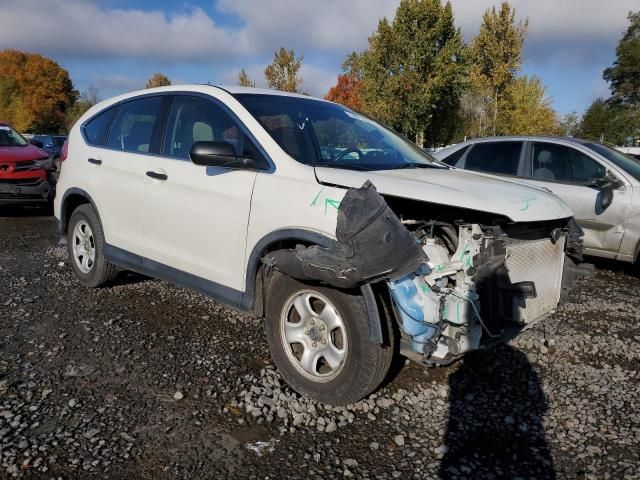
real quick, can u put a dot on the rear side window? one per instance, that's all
(455, 156)
(501, 158)
(133, 126)
(96, 129)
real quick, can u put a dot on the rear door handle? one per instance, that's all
(95, 161)
(157, 176)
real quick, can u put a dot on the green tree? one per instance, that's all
(158, 79)
(282, 72)
(525, 109)
(497, 54)
(35, 92)
(623, 108)
(413, 71)
(624, 75)
(244, 80)
(609, 122)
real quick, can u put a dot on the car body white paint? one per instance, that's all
(208, 222)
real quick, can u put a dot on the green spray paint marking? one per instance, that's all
(315, 199)
(330, 202)
(425, 288)
(526, 202)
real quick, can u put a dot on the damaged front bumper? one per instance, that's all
(493, 286)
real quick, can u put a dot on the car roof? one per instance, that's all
(237, 90)
(551, 138)
(231, 89)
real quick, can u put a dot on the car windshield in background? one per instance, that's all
(59, 141)
(10, 138)
(625, 162)
(46, 140)
(320, 133)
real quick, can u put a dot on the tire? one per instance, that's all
(363, 363)
(92, 269)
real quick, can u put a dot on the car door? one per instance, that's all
(115, 170)
(195, 217)
(567, 171)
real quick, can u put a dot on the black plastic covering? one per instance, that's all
(371, 244)
(575, 240)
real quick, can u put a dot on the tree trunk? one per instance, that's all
(495, 111)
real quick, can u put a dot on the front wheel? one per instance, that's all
(319, 339)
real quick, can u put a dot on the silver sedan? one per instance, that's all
(601, 185)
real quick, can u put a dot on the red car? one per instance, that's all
(23, 174)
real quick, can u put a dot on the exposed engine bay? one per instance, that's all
(492, 285)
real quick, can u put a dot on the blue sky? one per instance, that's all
(116, 45)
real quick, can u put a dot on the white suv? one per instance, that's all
(267, 202)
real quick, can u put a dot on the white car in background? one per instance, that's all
(267, 202)
(600, 184)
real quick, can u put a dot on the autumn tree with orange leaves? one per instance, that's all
(347, 92)
(35, 92)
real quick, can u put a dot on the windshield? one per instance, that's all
(625, 162)
(59, 141)
(46, 140)
(325, 134)
(10, 138)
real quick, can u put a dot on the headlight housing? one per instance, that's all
(42, 163)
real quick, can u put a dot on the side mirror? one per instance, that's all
(606, 187)
(220, 154)
(37, 143)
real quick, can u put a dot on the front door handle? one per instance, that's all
(95, 161)
(157, 176)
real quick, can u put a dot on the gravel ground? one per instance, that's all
(146, 380)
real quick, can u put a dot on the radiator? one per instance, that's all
(540, 262)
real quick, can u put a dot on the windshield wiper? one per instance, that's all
(347, 166)
(418, 165)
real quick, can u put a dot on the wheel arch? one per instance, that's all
(289, 238)
(72, 199)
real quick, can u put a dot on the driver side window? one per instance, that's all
(558, 163)
(196, 119)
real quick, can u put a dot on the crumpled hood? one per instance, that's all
(460, 188)
(21, 154)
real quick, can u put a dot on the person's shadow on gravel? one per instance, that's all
(495, 427)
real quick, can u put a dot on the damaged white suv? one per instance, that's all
(354, 244)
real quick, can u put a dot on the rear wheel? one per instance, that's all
(319, 339)
(85, 243)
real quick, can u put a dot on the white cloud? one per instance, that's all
(77, 28)
(317, 81)
(116, 82)
(576, 31)
(334, 25)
